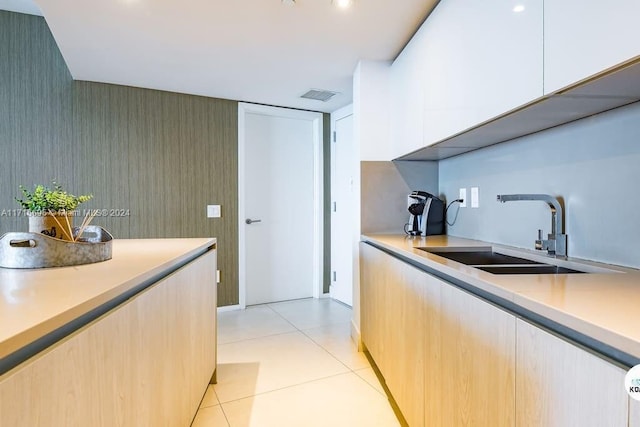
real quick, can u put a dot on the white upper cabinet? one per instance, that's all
(407, 96)
(473, 61)
(584, 38)
(482, 59)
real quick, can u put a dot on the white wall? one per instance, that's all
(371, 133)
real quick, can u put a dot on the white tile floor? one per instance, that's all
(292, 364)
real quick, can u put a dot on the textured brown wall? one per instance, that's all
(162, 156)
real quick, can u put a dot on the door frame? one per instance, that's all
(318, 199)
(337, 115)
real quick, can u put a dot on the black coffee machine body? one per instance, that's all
(426, 214)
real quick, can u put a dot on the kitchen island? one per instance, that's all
(128, 341)
(486, 349)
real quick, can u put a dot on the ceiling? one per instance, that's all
(259, 51)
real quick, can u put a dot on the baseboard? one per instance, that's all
(383, 383)
(229, 308)
(356, 337)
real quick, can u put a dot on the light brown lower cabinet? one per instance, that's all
(374, 271)
(560, 384)
(480, 365)
(447, 357)
(394, 335)
(476, 365)
(145, 363)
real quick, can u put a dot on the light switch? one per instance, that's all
(475, 202)
(463, 196)
(213, 211)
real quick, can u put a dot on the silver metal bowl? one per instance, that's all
(34, 250)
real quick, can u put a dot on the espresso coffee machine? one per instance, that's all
(427, 214)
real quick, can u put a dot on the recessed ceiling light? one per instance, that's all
(518, 8)
(342, 4)
(289, 2)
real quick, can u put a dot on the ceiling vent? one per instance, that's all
(319, 95)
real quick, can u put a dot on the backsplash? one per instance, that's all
(384, 190)
(591, 165)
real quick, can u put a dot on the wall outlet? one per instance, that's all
(213, 211)
(475, 197)
(463, 196)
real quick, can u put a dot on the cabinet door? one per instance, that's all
(482, 59)
(373, 312)
(583, 38)
(406, 334)
(399, 342)
(407, 99)
(560, 384)
(475, 369)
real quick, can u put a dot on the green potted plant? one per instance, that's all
(50, 210)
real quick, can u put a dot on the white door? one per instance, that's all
(280, 203)
(342, 197)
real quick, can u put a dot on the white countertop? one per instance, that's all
(600, 305)
(35, 302)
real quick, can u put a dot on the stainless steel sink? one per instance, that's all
(480, 257)
(528, 269)
(496, 263)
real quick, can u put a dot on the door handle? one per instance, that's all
(250, 221)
